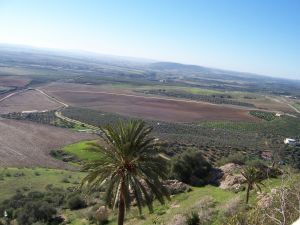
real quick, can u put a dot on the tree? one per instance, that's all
(130, 164)
(253, 178)
(190, 167)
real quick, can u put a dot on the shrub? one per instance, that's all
(65, 180)
(33, 208)
(76, 202)
(36, 173)
(32, 212)
(8, 174)
(190, 167)
(205, 209)
(35, 195)
(19, 174)
(178, 219)
(232, 207)
(283, 207)
(100, 216)
(236, 158)
(193, 219)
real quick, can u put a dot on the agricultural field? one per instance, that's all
(29, 100)
(189, 108)
(29, 144)
(13, 81)
(215, 139)
(172, 110)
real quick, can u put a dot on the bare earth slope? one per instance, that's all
(28, 144)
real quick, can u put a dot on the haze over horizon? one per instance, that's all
(255, 37)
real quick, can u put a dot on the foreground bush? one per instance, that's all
(190, 167)
(280, 206)
(33, 212)
(76, 202)
(35, 207)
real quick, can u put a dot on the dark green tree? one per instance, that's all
(190, 167)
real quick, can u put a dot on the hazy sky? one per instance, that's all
(260, 36)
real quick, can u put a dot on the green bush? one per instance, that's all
(35, 207)
(237, 158)
(193, 219)
(32, 212)
(190, 167)
(76, 202)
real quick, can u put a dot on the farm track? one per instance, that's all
(58, 111)
(62, 117)
(28, 144)
(10, 95)
(290, 105)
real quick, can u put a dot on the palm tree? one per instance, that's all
(253, 178)
(130, 165)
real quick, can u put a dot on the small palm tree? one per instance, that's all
(253, 178)
(130, 165)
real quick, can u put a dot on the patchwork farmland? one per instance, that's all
(156, 108)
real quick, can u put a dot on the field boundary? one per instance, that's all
(58, 113)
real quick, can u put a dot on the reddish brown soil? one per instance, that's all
(156, 108)
(28, 144)
(13, 81)
(27, 101)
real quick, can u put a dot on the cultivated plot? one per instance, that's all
(28, 144)
(149, 107)
(30, 100)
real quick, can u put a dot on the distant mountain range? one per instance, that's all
(19, 53)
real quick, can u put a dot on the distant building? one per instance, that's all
(34, 111)
(290, 141)
(278, 114)
(31, 111)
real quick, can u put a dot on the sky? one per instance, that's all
(258, 36)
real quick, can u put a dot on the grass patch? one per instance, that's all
(180, 204)
(79, 149)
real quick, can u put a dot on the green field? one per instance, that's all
(79, 149)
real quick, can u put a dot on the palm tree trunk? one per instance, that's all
(248, 193)
(121, 214)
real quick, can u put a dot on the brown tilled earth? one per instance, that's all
(27, 101)
(13, 81)
(156, 108)
(28, 144)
